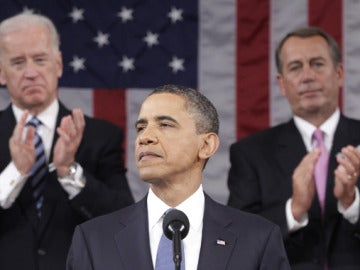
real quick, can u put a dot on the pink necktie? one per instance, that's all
(321, 168)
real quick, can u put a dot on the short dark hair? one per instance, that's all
(305, 32)
(204, 112)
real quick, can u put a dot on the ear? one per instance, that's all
(210, 143)
(59, 64)
(2, 77)
(340, 73)
(280, 81)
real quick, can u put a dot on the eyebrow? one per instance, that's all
(157, 119)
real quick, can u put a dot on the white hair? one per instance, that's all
(26, 19)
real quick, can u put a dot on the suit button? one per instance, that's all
(41, 252)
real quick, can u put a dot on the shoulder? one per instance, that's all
(240, 221)
(264, 139)
(113, 221)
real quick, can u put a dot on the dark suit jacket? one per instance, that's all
(32, 244)
(121, 241)
(260, 181)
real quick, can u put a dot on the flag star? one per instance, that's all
(177, 64)
(77, 64)
(102, 39)
(175, 14)
(126, 14)
(28, 10)
(127, 64)
(77, 14)
(151, 39)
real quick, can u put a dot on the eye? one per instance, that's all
(294, 67)
(165, 124)
(139, 128)
(40, 60)
(17, 63)
(318, 64)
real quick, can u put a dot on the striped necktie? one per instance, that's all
(38, 171)
(164, 257)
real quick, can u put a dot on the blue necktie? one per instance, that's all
(164, 257)
(38, 171)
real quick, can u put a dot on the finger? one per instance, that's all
(19, 128)
(350, 166)
(79, 119)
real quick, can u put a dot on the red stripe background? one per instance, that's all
(252, 68)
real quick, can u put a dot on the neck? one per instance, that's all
(173, 195)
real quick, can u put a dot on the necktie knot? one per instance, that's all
(318, 136)
(35, 122)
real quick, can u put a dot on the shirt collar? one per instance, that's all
(193, 207)
(47, 117)
(307, 129)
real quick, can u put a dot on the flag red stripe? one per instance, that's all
(331, 20)
(252, 66)
(111, 106)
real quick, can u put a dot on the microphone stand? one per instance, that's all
(177, 249)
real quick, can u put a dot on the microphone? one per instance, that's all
(176, 227)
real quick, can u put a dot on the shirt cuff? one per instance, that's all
(73, 186)
(351, 214)
(293, 224)
(11, 183)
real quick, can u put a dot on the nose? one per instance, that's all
(30, 71)
(308, 74)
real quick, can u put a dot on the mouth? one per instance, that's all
(147, 155)
(32, 88)
(306, 92)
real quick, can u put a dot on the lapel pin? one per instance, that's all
(220, 242)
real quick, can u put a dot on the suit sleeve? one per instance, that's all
(246, 180)
(101, 157)
(78, 257)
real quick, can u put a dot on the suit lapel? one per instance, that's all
(7, 123)
(132, 239)
(217, 242)
(290, 148)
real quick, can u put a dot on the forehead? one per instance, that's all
(30, 38)
(163, 104)
(309, 47)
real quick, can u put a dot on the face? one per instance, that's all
(30, 68)
(309, 81)
(167, 145)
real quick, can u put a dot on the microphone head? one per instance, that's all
(176, 220)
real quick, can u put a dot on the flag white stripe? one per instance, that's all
(78, 98)
(217, 81)
(351, 55)
(284, 17)
(134, 98)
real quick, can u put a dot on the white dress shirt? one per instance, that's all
(11, 180)
(193, 207)
(328, 128)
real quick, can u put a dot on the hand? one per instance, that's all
(347, 175)
(22, 150)
(304, 184)
(70, 135)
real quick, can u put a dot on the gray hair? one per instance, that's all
(200, 107)
(23, 20)
(306, 32)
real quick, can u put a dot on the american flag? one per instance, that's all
(116, 51)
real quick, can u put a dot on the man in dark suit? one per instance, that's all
(176, 134)
(84, 175)
(273, 172)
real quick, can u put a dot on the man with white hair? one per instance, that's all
(56, 169)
